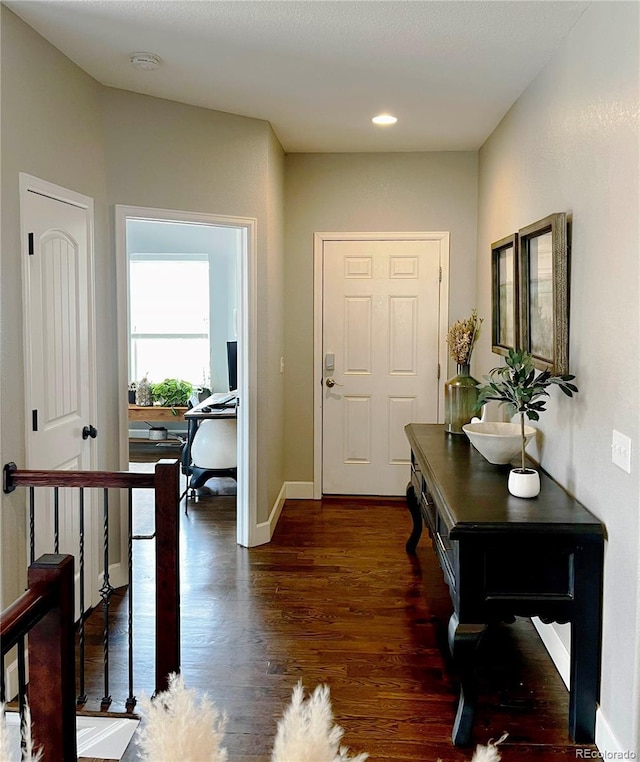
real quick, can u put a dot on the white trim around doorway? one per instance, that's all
(248, 531)
(443, 321)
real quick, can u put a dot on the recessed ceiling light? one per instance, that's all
(384, 119)
(145, 61)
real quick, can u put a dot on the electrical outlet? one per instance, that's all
(621, 451)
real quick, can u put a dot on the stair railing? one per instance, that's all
(165, 483)
(44, 613)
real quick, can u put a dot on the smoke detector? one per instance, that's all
(145, 61)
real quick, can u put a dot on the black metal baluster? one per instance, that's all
(22, 689)
(32, 525)
(106, 592)
(56, 519)
(131, 699)
(82, 696)
(22, 677)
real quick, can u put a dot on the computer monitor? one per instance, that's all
(232, 363)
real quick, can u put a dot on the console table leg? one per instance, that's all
(416, 516)
(463, 641)
(586, 639)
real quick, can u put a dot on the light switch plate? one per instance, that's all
(621, 451)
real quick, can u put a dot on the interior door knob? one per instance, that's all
(89, 431)
(330, 383)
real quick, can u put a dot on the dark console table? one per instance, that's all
(504, 556)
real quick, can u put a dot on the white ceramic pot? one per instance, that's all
(524, 483)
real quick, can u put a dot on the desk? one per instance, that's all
(204, 411)
(504, 556)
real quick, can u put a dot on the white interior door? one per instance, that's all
(380, 346)
(59, 364)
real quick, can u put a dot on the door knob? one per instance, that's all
(89, 431)
(330, 383)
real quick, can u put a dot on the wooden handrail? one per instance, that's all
(45, 614)
(109, 479)
(25, 612)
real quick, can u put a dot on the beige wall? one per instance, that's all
(120, 148)
(364, 192)
(571, 144)
(272, 348)
(168, 155)
(50, 128)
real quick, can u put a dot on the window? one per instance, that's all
(169, 317)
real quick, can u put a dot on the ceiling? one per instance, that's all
(318, 70)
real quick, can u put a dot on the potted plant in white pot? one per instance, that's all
(517, 386)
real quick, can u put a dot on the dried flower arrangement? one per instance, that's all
(462, 337)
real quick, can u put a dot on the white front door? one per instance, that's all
(380, 347)
(59, 360)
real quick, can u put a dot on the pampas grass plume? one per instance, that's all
(4, 736)
(306, 732)
(489, 753)
(29, 753)
(178, 726)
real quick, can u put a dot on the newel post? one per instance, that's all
(167, 519)
(52, 665)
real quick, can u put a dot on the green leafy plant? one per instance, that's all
(172, 392)
(517, 386)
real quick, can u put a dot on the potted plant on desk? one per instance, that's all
(172, 392)
(517, 386)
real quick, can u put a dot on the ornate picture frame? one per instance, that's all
(505, 303)
(543, 264)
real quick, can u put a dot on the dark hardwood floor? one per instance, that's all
(334, 599)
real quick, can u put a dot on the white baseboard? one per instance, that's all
(606, 741)
(265, 529)
(608, 745)
(556, 648)
(289, 490)
(118, 575)
(299, 490)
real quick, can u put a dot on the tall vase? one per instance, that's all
(460, 397)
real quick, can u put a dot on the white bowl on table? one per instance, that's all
(499, 442)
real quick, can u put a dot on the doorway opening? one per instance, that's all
(182, 318)
(185, 286)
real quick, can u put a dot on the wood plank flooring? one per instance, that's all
(334, 599)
